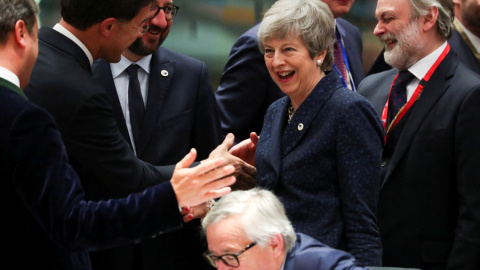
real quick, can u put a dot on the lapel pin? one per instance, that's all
(300, 127)
(164, 73)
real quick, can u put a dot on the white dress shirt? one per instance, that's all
(121, 80)
(9, 76)
(420, 69)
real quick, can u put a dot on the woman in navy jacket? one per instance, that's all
(320, 146)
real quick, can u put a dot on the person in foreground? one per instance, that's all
(48, 222)
(250, 230)
(429, 208)
(321, 145)
(246, 89)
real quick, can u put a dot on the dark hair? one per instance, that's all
(14, 10)
(82, 14)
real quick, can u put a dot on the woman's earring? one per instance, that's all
(319, 62)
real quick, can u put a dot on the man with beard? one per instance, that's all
(246, 89)
(429, 208)
(179, 114)
(464, 41)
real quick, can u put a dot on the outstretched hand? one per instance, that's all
(246, 149)
(209, 180)
(244, 172)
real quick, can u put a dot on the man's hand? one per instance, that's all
(209, 180)
(244, 172)
(246, 149)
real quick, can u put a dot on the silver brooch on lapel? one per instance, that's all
(164, 73)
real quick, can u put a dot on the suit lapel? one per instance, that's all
(434, 89)
(308, 110)
(103, 75)
(161, 76)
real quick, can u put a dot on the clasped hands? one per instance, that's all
(238, 173)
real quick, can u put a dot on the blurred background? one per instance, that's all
(207, 29)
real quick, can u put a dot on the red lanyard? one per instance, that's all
(414, 97)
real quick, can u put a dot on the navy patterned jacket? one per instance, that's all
(325, 167)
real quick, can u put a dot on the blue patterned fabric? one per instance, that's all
(325, 167)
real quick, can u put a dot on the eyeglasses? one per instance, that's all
(169, 10)
(228, 259)
(143, 28)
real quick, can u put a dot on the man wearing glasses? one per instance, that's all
(249, 230)
(177, 112)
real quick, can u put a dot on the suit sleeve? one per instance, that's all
(104, 159)
(466, 246)
(359, 150)
(243, 93)
(52, 192)
(207, 132)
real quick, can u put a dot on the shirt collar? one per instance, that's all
(77, 41)
(420, 68)
(118, 68)
(11, 80)
(9, 76)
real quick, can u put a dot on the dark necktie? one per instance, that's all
(340, 62)
(135, 103)
(398, 97)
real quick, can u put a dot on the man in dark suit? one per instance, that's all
(464, 41)
(246, 89)
(249, 230)
(180, 114)
(61, 82)
(48, 222)
(429, 208)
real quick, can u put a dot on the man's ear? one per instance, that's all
(107, 26)
(430, 20)
(21, 32)
(276, 243)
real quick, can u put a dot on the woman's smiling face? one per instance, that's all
(291, 67)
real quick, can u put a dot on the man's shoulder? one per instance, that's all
(348, 26)
(168, 55)
(312, 254)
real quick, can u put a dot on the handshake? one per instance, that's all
(225, 170)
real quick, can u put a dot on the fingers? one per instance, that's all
(188, 218)
(228, 141)
(213, 166)
(254, 138)
(240, 147)
(187, 160)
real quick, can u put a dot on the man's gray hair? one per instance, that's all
(311, 20)
(262, 216)
(446, 13)
(13, 11)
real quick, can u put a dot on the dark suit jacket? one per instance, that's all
(246, 88)
(61, 82)
(457, 44)
(325, 167)
(310, 254)
(47, 222)
(180, 114)
(429, 208)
